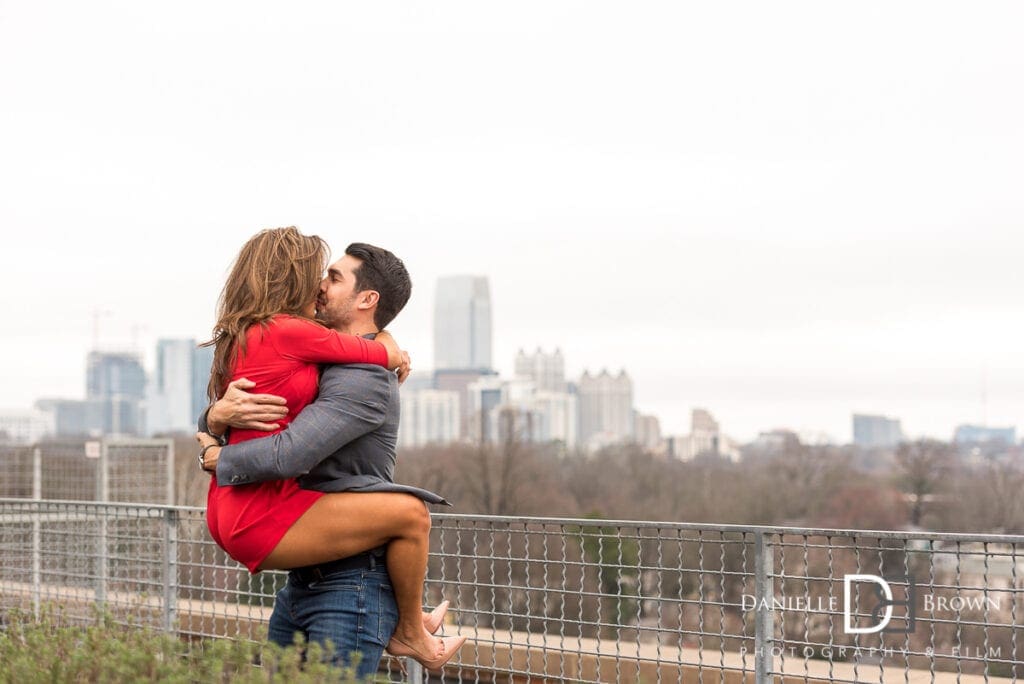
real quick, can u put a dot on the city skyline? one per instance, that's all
(867, 430)
(773, 221)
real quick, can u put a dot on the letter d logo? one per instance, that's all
(884, 593)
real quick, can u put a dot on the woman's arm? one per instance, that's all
(305, 340)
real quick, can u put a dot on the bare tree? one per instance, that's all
(922, 466)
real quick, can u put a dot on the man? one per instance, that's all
(343, 441)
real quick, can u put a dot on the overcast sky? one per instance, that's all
(782, 212)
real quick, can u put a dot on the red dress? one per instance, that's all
(249, 520)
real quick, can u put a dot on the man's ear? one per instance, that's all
(368, 299)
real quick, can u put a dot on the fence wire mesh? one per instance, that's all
(578, 600)
(110, 469)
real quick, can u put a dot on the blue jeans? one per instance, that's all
(354, 609)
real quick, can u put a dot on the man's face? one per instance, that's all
(337, 301)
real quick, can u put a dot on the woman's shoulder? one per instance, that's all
(287, 324)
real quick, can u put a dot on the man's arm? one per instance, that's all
(353, 401)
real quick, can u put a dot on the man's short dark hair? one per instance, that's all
(384, 272)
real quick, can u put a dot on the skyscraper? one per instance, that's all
(876, 431)
(605, 409)
(705, 435)
(546, 370)
(705, 440)
(75, 417)
(202, 362)
(462, 323)
(483, 396)
(114, 374)
(118, 381)
(169, 405)
(556, 410)
(429, 416)
(979, 434)
(177, 393)
(646, 430)
(516, 409)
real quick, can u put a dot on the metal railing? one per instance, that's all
(580, 600)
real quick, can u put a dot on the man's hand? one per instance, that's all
(209, 462)
(398, 360)
(239, 409)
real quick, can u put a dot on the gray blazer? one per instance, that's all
(343, 441)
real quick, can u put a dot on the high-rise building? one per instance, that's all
(705, 436)
(561, 417)
(462, 323)
(459, 381)
(977, 434)
(419, 380)
(429, 416)
(705, 440)
(169, 396)
(546, 370)
(876, 431)
(75, 417)
(483, 397)
(605, 409)
(516, 409)
(26, 426)
(114, 374)
(772, 442)
(518, 423)
(647, 431)
(177, 393)
(202, 362)
(118, 382)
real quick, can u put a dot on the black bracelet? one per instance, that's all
(202, 457)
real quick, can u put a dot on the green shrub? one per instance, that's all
(48, 650)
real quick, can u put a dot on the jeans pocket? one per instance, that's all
(341, 581)
(387, 612)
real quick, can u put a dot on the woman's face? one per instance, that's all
(309, 311)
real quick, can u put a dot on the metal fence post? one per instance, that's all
(37, 531)
(764, 621)
(170, 472)
(102, 497)
(170, 570)
(415, 671)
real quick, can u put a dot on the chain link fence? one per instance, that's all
(578, 600)
(109, 469)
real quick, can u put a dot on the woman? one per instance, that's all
(265, 332)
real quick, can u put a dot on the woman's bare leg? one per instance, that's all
(343, 524)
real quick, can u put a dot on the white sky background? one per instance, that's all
(783, 212)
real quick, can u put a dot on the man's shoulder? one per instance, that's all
(356, 378)
(368, 370)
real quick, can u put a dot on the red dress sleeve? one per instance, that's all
(302, 340)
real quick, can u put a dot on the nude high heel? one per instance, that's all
(433, 619)
(449, 645)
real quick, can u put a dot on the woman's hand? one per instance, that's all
(397, 359)
(405, 368)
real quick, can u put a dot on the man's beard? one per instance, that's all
(336, 317)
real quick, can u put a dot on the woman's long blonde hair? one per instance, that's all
(277, 271)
